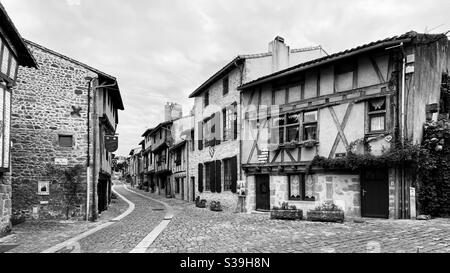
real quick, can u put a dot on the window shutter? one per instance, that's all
(218, 176)
(233, 174)
(200, 135)
(212, 176)
(200, 177)
(234, 125)
(217, 124)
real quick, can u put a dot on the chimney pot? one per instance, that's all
(279, 39)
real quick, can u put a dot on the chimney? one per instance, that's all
(172, 111)
(280, 54)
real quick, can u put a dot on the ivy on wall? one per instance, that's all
(430, 161)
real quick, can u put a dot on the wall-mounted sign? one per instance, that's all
(340, 155)
(61, 161)
(111, 143)
(43, 188)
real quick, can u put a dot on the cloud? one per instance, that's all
(162, 50)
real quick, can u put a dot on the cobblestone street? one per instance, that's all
(195, 230)
(201, 230)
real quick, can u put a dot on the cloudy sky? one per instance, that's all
(161, 50)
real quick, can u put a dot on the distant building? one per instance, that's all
(13, 53)
(63, 112)
(172, 111)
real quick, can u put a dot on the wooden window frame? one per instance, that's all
(378, 113)
(302, 185)
(304, 124)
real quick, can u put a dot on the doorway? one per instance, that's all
(263, 192)
(375, 193)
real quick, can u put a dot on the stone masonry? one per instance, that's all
(5, 203)
(43, 105)
(226, 149)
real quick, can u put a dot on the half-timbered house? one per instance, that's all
(180, 150)
(363, 99)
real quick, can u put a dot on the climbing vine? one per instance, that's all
(430, 160)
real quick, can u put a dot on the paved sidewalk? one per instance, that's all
(194, 230)
(36, 236)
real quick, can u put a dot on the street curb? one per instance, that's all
(74, 240)
(153, 235)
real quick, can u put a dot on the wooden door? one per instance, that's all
(263, 192)
(375, 194)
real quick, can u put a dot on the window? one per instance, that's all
(310, 125)
(160, 134)
(225, 82)
(192, 141)
(178, 157)
(206, 99)
(65, 141)
(297, 187)
(227, 174)
(209, 131)
(286, 128)
(300, 188)
(377, 115)
(229, 122)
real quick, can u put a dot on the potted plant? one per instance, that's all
(327, 212)
(286, 212)
(215, 206)
(200, 203)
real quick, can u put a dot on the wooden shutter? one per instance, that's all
(212, 176)
(234, 128)
(200, 177)
(200, 135)
(233, 163)
(216, 123)
(218, 176)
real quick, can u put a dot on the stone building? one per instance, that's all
(215, 163)
(13, 53)
(65, 114)
(363, 100)
(134, 165)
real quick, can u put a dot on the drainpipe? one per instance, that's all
(94, 142)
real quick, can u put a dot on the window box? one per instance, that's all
(325, 216)
(327, 212)
(286, 212)
(290, 214)
(309, 143)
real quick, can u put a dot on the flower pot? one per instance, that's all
(286, 214)
(325, 216)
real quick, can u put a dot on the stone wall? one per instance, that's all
(5, 203)
(342, 189)
(43, 102)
